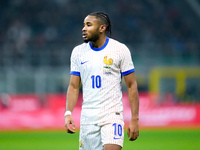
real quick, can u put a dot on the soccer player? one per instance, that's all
(99, 65)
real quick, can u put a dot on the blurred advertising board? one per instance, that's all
(47, 111)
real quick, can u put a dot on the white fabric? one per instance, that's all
(101, 71)
(94, 136)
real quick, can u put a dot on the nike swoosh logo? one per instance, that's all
(83, 62)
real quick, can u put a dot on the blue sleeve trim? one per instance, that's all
(75, 73)
(128, 72)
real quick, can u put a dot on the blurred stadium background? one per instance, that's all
(37, 37)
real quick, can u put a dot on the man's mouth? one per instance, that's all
(84, 35)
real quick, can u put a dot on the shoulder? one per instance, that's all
(117, 44)
(80, 48)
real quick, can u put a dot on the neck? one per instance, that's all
(99, 43)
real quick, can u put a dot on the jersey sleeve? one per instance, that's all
(127, 65)
(74, 70)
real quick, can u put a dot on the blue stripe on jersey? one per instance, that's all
(128, 72)
(75, 73)
(98, 49)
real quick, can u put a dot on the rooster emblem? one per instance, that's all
(109, 61)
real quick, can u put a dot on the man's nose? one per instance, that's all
(84, 28)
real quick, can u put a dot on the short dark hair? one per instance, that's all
(104, 18)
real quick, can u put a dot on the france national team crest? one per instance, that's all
(80, 144)
(108, 62)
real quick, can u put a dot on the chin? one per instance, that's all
(86, 41)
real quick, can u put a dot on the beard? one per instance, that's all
(94, 37)
(86, 41)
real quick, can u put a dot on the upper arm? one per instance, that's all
(130, 80)
(74, 81)
(126, 64)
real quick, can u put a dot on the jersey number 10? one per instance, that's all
(96, 81)
(117, 129)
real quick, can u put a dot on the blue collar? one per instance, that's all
(98, 49)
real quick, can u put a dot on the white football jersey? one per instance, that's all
(101, 70)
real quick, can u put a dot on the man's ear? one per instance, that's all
(102, 28)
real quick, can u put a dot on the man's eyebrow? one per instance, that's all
(87, 22)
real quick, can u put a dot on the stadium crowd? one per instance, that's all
(43, 33)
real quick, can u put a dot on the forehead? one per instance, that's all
(91, 19)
